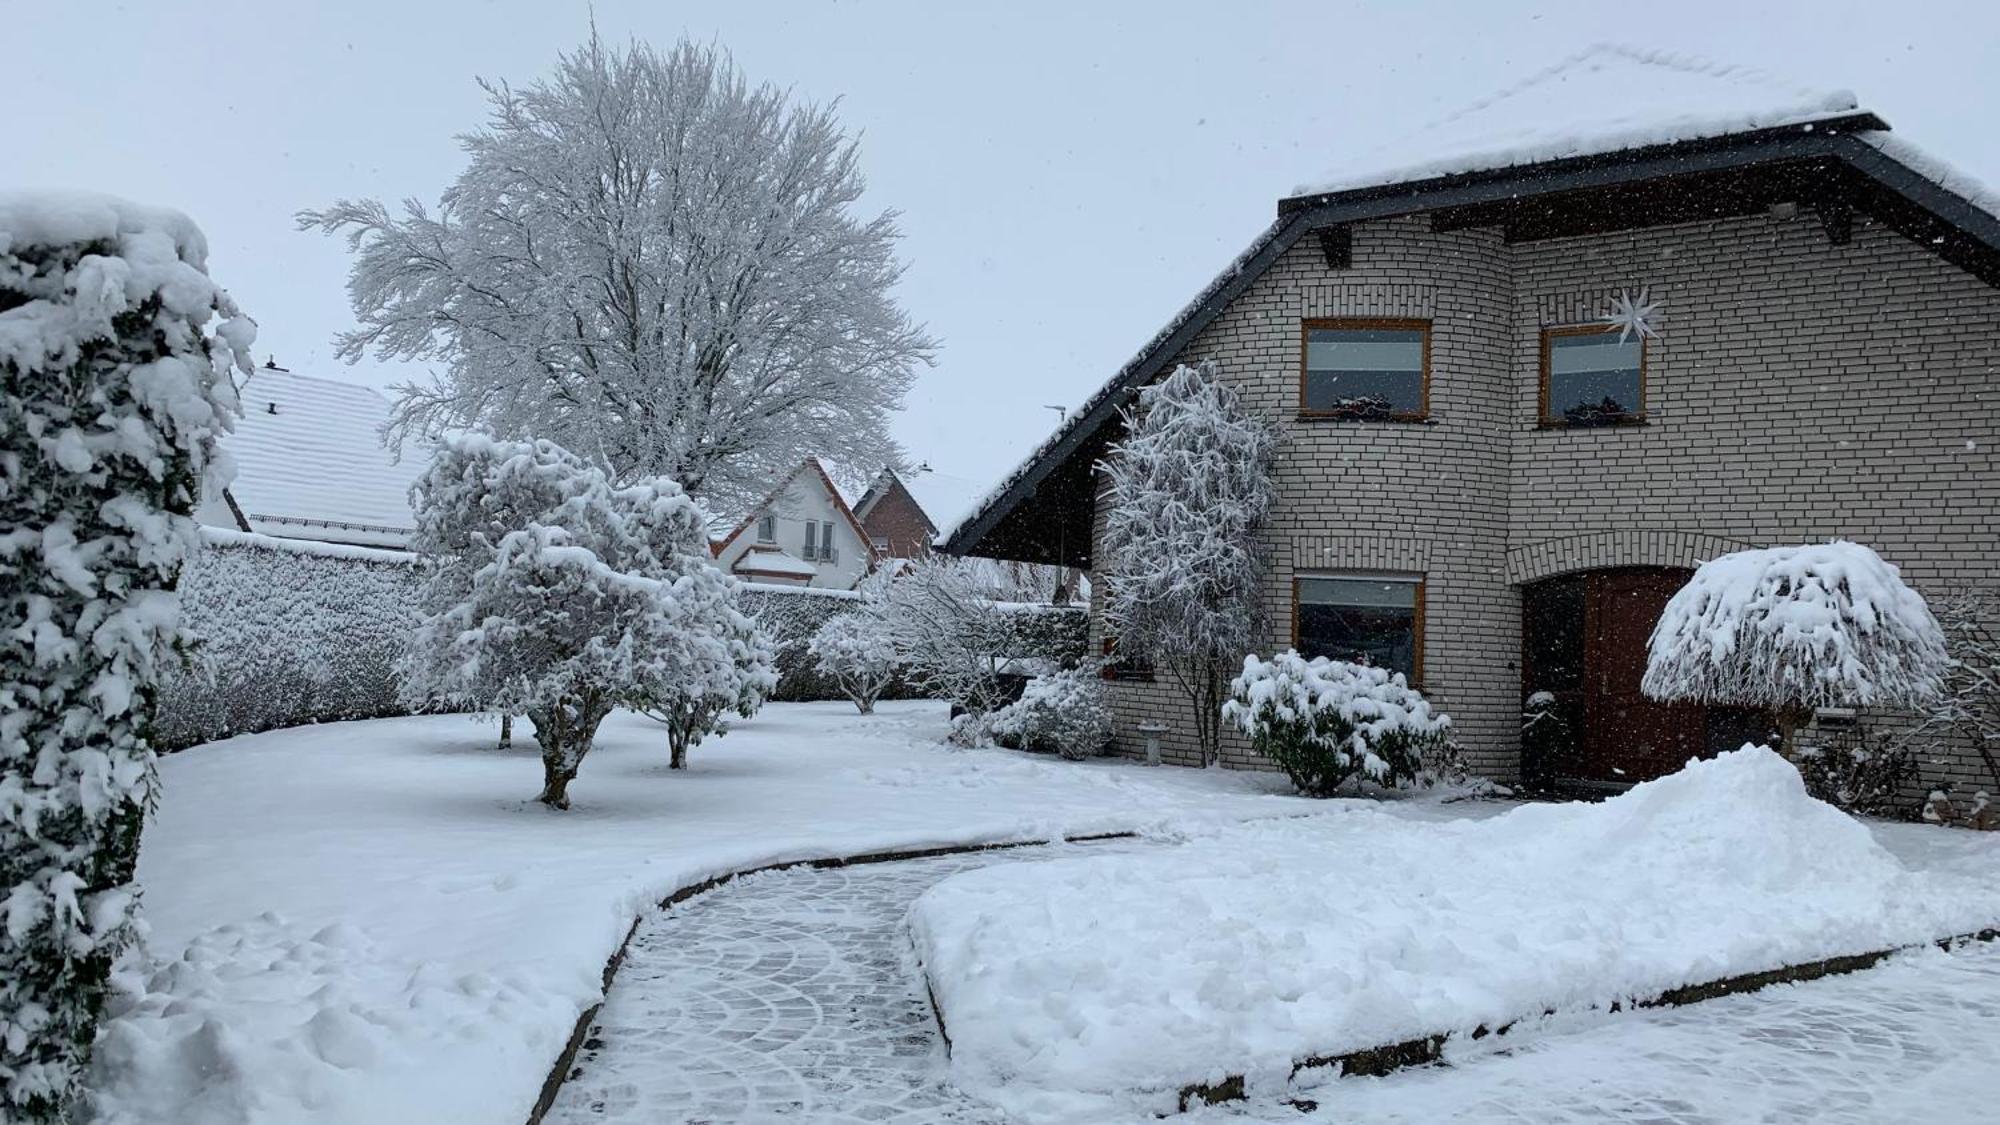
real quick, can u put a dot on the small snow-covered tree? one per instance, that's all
(115, 359)
(1190, 487)
(1968, 705)
(557, 596)
(653, 263)
(1328, 722)
(1792, 629)
(860, 660)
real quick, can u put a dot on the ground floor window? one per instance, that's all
(1366, 618)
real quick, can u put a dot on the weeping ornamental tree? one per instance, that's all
(1793, 629)
(653, 264)
(1190, 488)
(115, 353)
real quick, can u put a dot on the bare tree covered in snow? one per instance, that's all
(934, 621)
(1968, 706)
(560, 597)
(1190, 487)
(653, 264)
(115, 353)
(1792, 629)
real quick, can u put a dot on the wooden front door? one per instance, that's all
(1584, 643)
(1627, 737)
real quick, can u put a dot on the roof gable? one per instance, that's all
(815, 471)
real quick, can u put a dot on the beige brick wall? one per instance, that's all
(1799, 391)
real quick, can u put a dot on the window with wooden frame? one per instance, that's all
(1375, 619)
(1117, 666)
(1366, 369)
(1591, 376)
(767, 528)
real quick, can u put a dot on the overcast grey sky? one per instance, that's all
(1068, 175)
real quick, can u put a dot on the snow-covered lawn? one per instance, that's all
(373, 922)
(1253, 946)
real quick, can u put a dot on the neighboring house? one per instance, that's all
(310, 464)
(902, 512)
(802, 534)
(1485, 487)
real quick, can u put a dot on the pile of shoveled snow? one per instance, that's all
(1253, 946)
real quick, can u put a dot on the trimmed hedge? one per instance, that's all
(290, 632)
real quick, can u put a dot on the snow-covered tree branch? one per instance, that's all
(653, 264)
(1190, 487)
(115, 360)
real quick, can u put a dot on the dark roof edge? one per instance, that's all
(1862, 121)
(1302, 214)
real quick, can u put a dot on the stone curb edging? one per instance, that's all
(565, 1060)
(1373, 1062)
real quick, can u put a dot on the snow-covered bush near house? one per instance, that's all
(1858, 770)
(285, 632)
(1062, 712)
(1967, 713)
(859, 660)
(1190, 486)
(554, 595)
(365, 922)
(1794, 628)
(1065, 986)
(1327, 722)
(115, 358)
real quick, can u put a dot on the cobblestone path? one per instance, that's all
(786, 996)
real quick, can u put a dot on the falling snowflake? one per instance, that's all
(1635, 316)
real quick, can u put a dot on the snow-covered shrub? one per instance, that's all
(1796, 628)
(1854, 770)
(857, 658)
(1326, 722)
(554, 595)
(1967, 713)
(1190, 487)
(286, 632)
(115, 359)
(951, 641)
(1063, 712)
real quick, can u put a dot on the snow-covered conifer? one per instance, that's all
(653, 263)
(115, 359)
(849, 648)
(1190, 487)
(1792, 629)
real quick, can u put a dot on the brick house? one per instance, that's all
(1483, 486)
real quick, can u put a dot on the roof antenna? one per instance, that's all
(1062, 413)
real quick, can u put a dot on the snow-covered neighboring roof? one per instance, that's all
(1606, 98)
(310, 463)
(770, 560)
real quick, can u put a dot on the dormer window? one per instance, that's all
(767, 528)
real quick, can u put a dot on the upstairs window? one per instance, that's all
(812, 541)
(767, 528)
(1372, 619)
(827, 552)
(1375, 370)
(1590, 377)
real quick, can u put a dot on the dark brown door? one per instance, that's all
(1626, 736)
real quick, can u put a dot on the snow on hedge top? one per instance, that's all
(1826, 624)
(1603, 99)
(309, 454)
(61, 218)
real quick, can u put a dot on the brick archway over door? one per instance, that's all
(1604, 550)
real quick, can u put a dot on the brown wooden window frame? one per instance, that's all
(1418, 324)
(1550, 332)
(1128, 669)
(1418, 607)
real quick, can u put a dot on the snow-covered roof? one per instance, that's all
(310, 463)
(1604, 102)
(769, 560)
(1604, 99)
